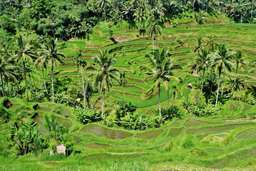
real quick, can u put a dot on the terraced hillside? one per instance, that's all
(180, 41)
(226, 141)
(191, 143)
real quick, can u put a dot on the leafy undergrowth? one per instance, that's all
(196, 143)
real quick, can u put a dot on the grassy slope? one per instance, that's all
(132, 56)
(182, 144)
(189, 143)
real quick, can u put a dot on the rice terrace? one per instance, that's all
(127, 85)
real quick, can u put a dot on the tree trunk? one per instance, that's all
(52, 80)
(25, 79)
(2, 84)
(102, 105)
(84, 91)
(237, 65)
(218, 91)
(88, 102)
(159, 100)
(153, 42)
(44, 78)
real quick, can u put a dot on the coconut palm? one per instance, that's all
(78, 60)
(238, 58)
(236, 84)
(25, 56)
(202, 62)
(8, 71)
(154, 30)
(222, 63)
(141, 15)
(105, 74)
(102, 6)
(161, 71)
(50, 55)
(87, 86)
(88, 92)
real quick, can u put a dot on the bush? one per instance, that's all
(26, 138)
(170, 113)
(199, 18)
(136, 121)
(201, 110)
(56, 130)
(88, 116)
(123, 109)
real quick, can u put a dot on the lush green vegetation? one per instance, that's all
(127, 85)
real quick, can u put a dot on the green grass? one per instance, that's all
(189, 143)
(132, 56)
(225, 141)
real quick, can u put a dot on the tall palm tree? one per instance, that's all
(51, 56)
(103, 6)
(161, 71)
(141, 15)
(202, 62)
(86, 84)
(88, 92)
(238, 58)
(105, 74)
(154, 30)
(25, 56)
(222, 63)
(8, 71)
(236, 84)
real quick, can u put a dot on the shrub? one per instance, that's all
(136, 121)
(170, 113)
(26, 138)
(87, 116)
(200, 110)
(123, 109)
(199, 18)
(56, 130)
(188, 143)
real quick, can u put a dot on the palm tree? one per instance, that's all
(78, 59)
(88, 91)
(161, 71)
(25, 55)
(236, 84)
(238, 58)
(51, 56)
(202, 62)
(105, 74)
(154, 30)
(222, 63)
(8, 71)
(102, 6)
(141, 15)
(86, 84)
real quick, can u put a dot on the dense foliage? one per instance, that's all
(34, 33)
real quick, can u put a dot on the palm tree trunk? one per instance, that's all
(153, 42)
(83, 83)
(88, 103)
(102, 105)
(52, 80)
(237, 65)
(44, 78)
(25, 79)
(2, 84)
(218, 91)
(159, 100)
